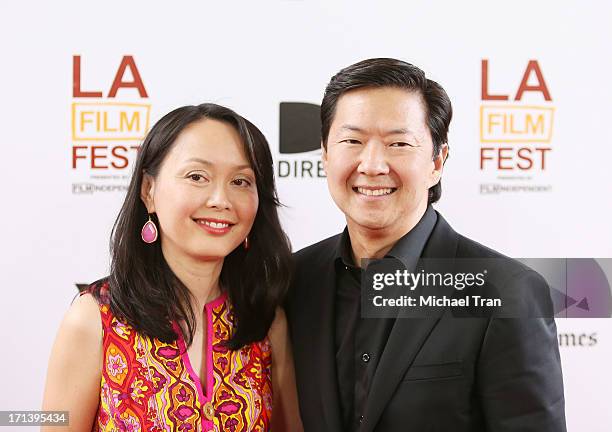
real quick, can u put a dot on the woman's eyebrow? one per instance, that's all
(209, 163)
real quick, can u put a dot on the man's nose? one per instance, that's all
(218, 198)
(373, 160)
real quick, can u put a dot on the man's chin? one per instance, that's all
(369, 224)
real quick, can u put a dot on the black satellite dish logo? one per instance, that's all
(300, 141)
(300, 127)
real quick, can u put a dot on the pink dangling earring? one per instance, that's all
(246, 243)
(149, 231)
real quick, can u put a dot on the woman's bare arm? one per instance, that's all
(285, 413)
(75, 366)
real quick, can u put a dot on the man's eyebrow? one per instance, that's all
(351, 128)
(398, 131)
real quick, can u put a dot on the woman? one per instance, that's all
(187, 332)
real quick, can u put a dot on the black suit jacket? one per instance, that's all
(435, 374)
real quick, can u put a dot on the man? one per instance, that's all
(384, 142)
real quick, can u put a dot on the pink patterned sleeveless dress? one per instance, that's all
(148, 385)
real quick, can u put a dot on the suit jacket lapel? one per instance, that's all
(407, 336)
(323, 345)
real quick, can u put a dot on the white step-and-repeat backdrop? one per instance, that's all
(528, 174)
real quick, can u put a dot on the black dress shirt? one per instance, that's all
(359, 341)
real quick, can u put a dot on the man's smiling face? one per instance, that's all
(379, 158)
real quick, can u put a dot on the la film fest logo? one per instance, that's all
(106, 129)
(516, 130)
(299, 141)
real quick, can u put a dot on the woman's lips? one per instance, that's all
(215, 226)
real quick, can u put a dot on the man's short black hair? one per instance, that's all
(388, 72)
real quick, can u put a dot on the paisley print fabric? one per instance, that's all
(148, 385)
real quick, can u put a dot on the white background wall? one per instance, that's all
(252, 55)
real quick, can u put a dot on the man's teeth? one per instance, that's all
(374, 192)
(214, 224)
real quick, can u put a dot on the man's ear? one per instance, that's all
(147, 191)
(324, 157)
(438, 161)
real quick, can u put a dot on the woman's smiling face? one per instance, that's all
(205, 194)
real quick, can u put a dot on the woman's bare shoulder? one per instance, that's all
(82, 320)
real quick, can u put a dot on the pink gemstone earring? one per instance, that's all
(246, 243)
(149, 231)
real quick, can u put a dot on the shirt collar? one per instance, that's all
(343, 252)
(407, 249)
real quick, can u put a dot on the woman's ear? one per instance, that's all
(147, 191)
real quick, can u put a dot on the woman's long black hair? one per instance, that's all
(143, 289)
